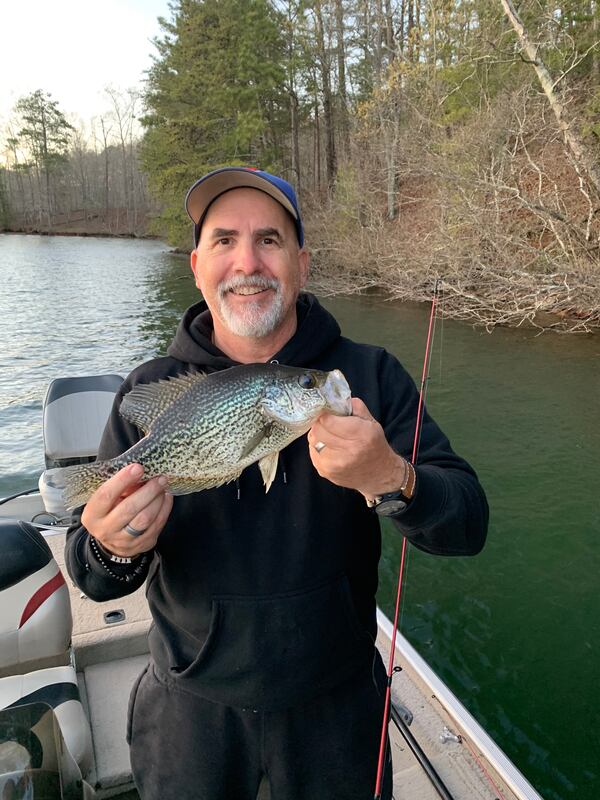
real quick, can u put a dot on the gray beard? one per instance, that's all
(253, 321)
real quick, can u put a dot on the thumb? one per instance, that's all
(359, 409)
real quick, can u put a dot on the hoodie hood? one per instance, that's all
(317, 331)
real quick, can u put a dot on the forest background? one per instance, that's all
(452, 139)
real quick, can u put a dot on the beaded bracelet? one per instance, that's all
(137, 571)
(106, 554)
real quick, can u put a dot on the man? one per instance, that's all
(262, 649)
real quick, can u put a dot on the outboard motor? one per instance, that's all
(74, 416)
(35, 635)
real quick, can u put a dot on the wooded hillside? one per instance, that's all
(426, 138)
(60, 177)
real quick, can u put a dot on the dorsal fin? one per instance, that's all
(146, 401)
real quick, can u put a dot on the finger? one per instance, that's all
(106, 496)
(359, 409)
(146, 517)
(123, 544)
(344, 428)
(148, 539)
(163, 514)
(130, 506)
(330, 438)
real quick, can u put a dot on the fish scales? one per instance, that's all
(203, 430)
(188, 438)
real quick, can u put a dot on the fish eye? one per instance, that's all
(307, 381)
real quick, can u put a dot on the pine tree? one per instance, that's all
(45, 135)
(214, 97)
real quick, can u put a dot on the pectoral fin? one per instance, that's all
(268, 468)
(256, 440)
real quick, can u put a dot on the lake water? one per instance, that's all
(515, 632)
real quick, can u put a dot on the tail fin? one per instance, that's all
(81, 481)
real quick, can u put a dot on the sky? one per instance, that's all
(73, 49)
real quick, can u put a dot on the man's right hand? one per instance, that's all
(122, 501)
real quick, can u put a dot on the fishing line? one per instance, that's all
(442, 318)
(407, 564)
(441, 341)
(426, 372)
(487, 775)
(439, 314)
(403, 556)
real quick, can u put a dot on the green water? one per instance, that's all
(513, 631)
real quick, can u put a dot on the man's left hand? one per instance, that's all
(356, 453)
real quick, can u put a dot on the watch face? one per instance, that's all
(389, 507)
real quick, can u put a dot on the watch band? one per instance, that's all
(393, 502)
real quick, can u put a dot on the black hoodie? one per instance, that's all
(261, 600)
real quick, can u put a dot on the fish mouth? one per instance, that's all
(337, 394)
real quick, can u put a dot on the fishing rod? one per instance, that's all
(415, 452)
(438, 784)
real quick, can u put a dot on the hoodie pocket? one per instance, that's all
(274, 651)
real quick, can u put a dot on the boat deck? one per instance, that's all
(453, 761)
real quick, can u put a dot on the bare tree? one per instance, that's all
(105, 149)
(124, 114)
(341, 69)
(324, 59)
(583, 157)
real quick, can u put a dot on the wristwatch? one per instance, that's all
(386, 505)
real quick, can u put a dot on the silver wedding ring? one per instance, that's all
(320, 446)
(133, 531)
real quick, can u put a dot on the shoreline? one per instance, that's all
(562, 321)
(99, 234)
(178, 251)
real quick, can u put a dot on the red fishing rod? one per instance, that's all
(415, 453)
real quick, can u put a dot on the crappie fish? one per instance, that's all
(203, 430)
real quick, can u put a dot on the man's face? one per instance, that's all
(248, 264)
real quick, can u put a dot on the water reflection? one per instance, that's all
(170, 290)
(75, 306)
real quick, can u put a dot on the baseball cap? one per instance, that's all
(216, 183)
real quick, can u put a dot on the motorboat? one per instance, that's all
(67, 664)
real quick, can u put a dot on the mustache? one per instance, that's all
(247, 282)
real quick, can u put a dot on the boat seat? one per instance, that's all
(74, 415)
(35, 610)
(35, 628)
(56, 686)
